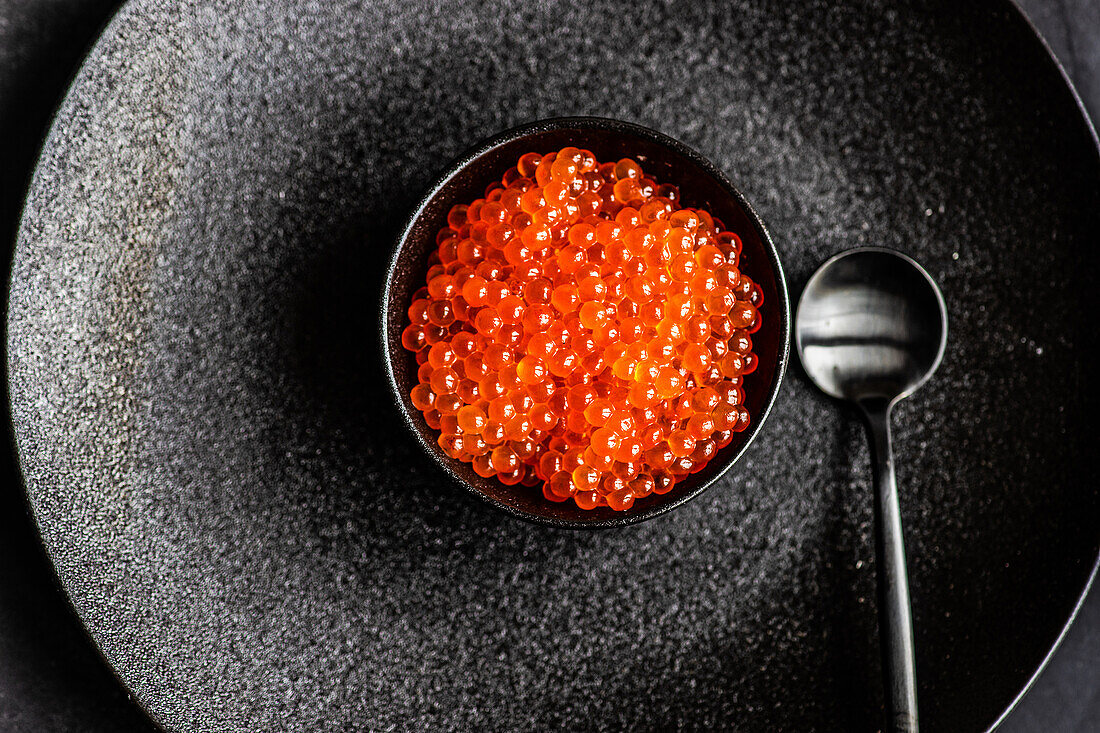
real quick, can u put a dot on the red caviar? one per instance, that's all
(582, 331)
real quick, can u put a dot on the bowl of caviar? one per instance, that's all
(584, 322)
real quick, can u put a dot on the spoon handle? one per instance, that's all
(895, 616)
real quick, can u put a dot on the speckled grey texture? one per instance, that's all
(255, 544)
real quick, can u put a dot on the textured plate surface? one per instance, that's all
(254, 542)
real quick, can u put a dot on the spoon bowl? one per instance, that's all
(871, 324)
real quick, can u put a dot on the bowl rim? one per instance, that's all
(551, 124)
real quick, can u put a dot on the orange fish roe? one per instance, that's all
(582, 331)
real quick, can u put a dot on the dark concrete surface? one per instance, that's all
(52, 678)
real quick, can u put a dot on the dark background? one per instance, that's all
(51, 676)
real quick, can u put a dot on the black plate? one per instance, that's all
(252, 540)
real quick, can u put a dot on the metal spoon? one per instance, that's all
(871, 328)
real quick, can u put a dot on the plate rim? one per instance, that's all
(1019, 15)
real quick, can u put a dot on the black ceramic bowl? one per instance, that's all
(667, 161)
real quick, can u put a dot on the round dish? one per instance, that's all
(236, 511)
(667, 160)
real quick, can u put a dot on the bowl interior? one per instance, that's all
(667, 161)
